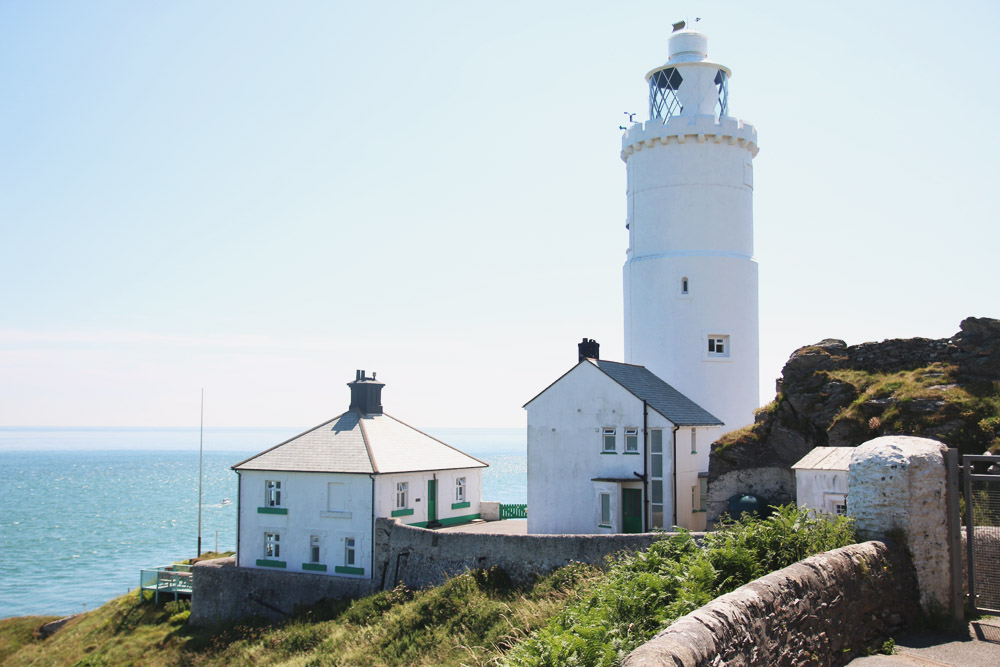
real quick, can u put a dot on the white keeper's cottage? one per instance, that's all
(310, 503)
(614, 449)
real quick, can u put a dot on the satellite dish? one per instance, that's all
(679, 25)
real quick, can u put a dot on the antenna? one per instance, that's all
(201, 454)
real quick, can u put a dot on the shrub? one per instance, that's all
(646, 591)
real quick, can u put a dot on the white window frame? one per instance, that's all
(272, 493)
(402, 495)
(272, 546)
(604, 509)
(459, 489)
(350, 552)
(832, 502)
(694, 440)
(632, 441)
(716, 341)
(703, 494)
(605, 433)
(315, 549)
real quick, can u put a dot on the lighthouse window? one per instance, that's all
(718, 346)
(684, 285)
(722, 85)
(663, 99)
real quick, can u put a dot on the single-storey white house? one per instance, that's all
(821, 479)
(612, 448)
(310, 503)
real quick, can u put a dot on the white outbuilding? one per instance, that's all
(310, 503)
(821, 479)
(612, 448)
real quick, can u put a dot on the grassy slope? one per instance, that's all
(470, 620)
(577, 615)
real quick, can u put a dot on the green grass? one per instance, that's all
(969, 417)
(577, 615)
(644, 592)
(470, 620)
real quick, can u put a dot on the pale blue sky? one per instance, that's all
(261, 197)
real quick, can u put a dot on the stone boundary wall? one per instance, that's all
(419, 557)
(825, 610)
(224, 592)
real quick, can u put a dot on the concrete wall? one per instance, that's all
(419, 557)
(774, 484)
(223, 591)
(825, 610)
(489, 510)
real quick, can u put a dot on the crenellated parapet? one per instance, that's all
(682, 129)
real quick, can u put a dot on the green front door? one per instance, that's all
(432, 500)
(631, 510)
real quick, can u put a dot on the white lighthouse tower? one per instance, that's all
(691, 278)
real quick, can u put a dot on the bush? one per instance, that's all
(646, 591)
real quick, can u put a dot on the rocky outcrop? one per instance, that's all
(833, 394)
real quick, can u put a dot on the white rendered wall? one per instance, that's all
(813, 487)
(565, 425)
(449, 511)
(691, 461)
(306, 496)
(690, 215)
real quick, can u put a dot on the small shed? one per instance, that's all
(821, 479)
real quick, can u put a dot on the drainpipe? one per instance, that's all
(239, 504)
(645, 464)
(674, 467)
(372, 569)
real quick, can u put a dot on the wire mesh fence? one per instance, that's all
(982, 518)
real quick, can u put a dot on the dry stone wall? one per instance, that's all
(825, 610)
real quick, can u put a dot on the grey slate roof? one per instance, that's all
(660, 396)
(352, 444)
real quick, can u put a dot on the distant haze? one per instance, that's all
(258, 198)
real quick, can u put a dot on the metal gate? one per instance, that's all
(982, 526)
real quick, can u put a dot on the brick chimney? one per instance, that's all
(588, 349)
(366, 394)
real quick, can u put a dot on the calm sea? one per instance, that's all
(88, 508)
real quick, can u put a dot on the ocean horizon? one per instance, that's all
(93, 506)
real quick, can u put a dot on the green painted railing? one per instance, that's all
(174, 579)
(516, 511)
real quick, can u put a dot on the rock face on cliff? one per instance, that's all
(832, 394)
